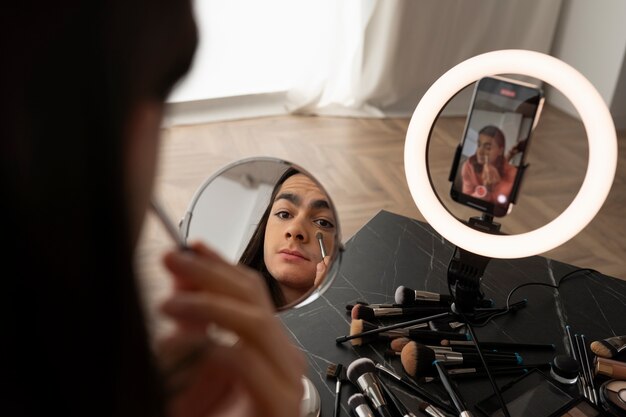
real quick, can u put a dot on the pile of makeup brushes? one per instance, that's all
(430, 345)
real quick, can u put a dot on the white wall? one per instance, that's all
(591, 37)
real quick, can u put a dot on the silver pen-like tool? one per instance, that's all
(320, 239)
(167, 224)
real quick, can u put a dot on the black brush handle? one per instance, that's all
(474, 359)
(398, 405)
(376, 331)
(383, 411)
(454, 396)
(409, 384)
(433, 335)
(505, 345)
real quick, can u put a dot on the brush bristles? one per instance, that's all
(334, 371)
(390, 353)
(358, 326)
(603, 349)
(356, 400)
(404, 295)
(359, 367)
(417, 359)
(399, 343)
(362, 312)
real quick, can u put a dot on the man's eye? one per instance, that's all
(283, 215)
(324, 224)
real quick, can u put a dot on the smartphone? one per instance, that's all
(490, 161)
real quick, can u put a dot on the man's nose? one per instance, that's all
(296, 230)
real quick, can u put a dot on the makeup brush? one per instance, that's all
(471, 356)
(426, 408)
(498, 345)
(587, 364)
(362, 373)
(609, 347)
(359, 406)
(171, 230)
(398, 343)
(360, 326)
(360, 311)
(378, 330)
(391, 353)
(349, 307)
(337, 372)
(320, 239)
(362, 331)
(437, 405)
(586, 377)
(456, 398)
(417, 359)
(407, 296)
(476, 372)
(399, 405)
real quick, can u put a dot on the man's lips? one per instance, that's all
(293, 254)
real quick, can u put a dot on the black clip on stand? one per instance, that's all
(466, 270)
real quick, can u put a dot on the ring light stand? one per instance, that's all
(479, 241)
(598, 179)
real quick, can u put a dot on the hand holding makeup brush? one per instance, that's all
(261, 370)
(320, 271)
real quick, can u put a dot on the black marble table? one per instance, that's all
(393, 250)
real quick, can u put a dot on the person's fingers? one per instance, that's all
(320, 273)
(254, 326)
(273, 395)
(212, 274)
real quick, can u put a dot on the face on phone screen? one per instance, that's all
(496, 138)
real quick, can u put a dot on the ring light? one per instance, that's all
(598, 178)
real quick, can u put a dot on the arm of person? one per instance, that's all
(205, 377)
(470, 181)
(505, 185)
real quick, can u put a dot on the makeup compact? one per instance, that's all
(564, 369)
(613, 397)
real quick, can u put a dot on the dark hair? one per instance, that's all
(253, 255)
(497, 134)
(78, 343)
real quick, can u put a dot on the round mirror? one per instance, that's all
(275, 217)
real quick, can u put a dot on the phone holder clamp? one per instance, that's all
(466, 270)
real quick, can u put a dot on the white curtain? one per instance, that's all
(382, 55)
(361, 58)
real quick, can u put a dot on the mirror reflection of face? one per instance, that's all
(291, 250)
(488, 150)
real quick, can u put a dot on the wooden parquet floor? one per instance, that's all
(361, 164)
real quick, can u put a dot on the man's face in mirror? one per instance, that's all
(291, 250)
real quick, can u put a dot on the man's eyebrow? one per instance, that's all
(294, 199)
(318, 204)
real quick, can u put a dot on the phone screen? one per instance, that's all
(487, 173)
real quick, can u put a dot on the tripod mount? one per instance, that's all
(466, 269)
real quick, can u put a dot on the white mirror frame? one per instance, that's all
(598, 179)
(331, 273)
